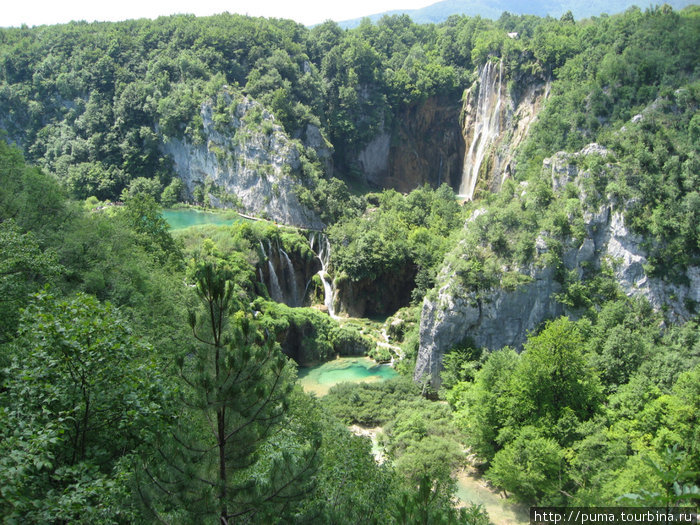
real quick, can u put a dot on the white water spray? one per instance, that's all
(290, 277)
(487, 126)
(324, 254)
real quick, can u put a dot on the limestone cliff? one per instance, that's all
(424, 146)
(501, 316)
(495, 123)
(246, 157)
(469, 144)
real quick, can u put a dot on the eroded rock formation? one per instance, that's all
(501, 317)
(247, 157)
(495, 123)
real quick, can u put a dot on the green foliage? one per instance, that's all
(236, 386)
(24, 268)
(553, 377)
(173, 193)
(544, 431)
(142, 215)
(307, 335)
(404, 236)
(82, 395)
(593, 411)
(529, 466)
(460, 364)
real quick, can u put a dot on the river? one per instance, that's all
(472, 489)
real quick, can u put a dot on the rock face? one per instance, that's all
(495, 123)
(425, 146)
(468, 144)
(381, 296)
(247, 157)
(500, 317)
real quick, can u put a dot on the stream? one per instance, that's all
(472, 489)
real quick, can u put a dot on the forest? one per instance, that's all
(149, 375)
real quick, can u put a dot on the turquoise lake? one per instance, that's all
(319, 379)
(180, 219)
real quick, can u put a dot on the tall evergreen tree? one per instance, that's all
(234, 455)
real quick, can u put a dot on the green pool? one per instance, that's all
(319, 379)
(179, 219)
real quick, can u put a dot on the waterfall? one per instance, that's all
(290, 278)
(487, 127)
(327, 292)
(275, 289)
(324, 255)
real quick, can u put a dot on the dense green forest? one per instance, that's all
(149, 376)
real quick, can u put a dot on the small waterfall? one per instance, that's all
(290, 277)
(275, 289)
(487, 126)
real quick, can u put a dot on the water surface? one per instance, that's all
(319, 379)
(179, 219)
(471, 489)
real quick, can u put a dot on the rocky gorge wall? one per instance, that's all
(425, 146)
(501, 317)
(468, 144)
(247, 156)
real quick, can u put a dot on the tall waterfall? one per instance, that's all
(323, 253)
(487, 126)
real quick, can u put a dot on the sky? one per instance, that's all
(308, 12)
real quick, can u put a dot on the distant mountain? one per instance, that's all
(493, 9)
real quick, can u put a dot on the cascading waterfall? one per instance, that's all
(275, 288)
(324, 254)
(290, 277)
(487, 126)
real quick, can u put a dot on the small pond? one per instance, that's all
(179, 219)
(319, 379)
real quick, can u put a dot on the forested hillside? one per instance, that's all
(544, 321)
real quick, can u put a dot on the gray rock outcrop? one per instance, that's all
(247, 157)
(502, 317)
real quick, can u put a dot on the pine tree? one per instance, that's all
(233, 453)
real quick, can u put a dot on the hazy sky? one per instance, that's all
(35, 12)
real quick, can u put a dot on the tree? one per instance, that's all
(173, 193)
(430, 502)
(233, 456)
(481, 406)
(142, 214)
(140, 185)
(24, 266)
(530, 467)
(82, 397)
(553, 376)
